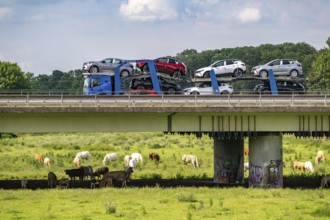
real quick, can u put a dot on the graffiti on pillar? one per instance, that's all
(269, 175)
(256, 175)
(226, 171)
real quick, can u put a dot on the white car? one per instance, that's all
(205, 88)
(233, 67)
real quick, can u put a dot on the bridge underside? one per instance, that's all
(219, 125)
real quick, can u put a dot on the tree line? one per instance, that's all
(316, 67)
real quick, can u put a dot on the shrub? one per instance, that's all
(186, 198)
(110, 207)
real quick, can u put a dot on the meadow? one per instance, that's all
(17, 162)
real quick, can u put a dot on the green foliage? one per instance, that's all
(186, 198)
(110, 207)
(12, 78)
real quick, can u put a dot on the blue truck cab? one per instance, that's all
(98, 84)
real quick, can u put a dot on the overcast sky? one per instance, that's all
(46, 35)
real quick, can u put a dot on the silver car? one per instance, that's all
(232, 67)
(280, 67)
(205, 88)
(108, 64)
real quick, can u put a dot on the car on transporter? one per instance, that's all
(283, 87)
(280, 67)
(231, 67)
(205, 88)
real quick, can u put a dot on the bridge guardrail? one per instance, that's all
(61, 100)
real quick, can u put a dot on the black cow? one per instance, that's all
(100, 171)
(73, 173)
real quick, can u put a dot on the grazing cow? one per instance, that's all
(188, 158)
(320, 157)
(100, 171)
(298, 166)
(137, 156)
(154, 156)
(122, 176)
(88, 171)
(109, 157)
(325, 182)
(83, 155)
(24, 183)
(246, 166)
(77, 162)
(63, 183)
(47, 163)
(73, 173)
(246, 151)
(39, 158)
(52, 179)
(132, 163)
(127, 158)
(309, 167)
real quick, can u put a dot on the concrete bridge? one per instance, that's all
(228, 119)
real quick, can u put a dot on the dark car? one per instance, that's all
(283, 87)
(167, 65)
(145, 82)
(147, 92)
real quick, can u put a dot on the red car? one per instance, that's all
(168, 65)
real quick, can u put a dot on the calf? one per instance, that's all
(52, 179)
(77, 162)
(309, 167)
(154, 156)
(127, 158)
(73, 173)
(100, 171)
(122, 176)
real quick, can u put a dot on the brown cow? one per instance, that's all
(39, 158)
(298, 166)
(107, 179)
(154, 156)
(246, 151)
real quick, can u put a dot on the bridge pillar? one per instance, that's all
(228, 160)
(265, 161)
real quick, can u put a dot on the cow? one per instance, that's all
(52, 179)
(325, 182)
(63, 183)
(132, 163)
(246, 166)
(47, 162)
(88, 171)
(39, 158)
(77, 162)
(137, 156)
(100, 171)
(73, 173)
(83, 155)
(298, 166)
(309, 167)
(154, 156)
(246, 151)
(127, 158)
(122, 176)
(188, 158)
(109, 157)
(320, 157)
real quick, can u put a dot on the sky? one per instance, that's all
(46, 35)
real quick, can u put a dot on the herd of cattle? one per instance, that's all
(102, 177)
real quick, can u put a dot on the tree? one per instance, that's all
(11, 77)
(319, 77)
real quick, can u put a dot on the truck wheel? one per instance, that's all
(176, 74)
(206, 74)
(263, 73)
(124, 73)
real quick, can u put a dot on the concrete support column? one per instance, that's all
(228, 160)
(265, 161)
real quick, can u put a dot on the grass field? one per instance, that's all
(17, 162)
(170, 203)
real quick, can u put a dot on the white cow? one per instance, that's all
(47, 162)
(83, 155)
(127, 158)
(137, 156)
(320, 157)
(77, 162)
(309, 167)
(189, 158)
(246, 166)
(132, 163)
(109, 157)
